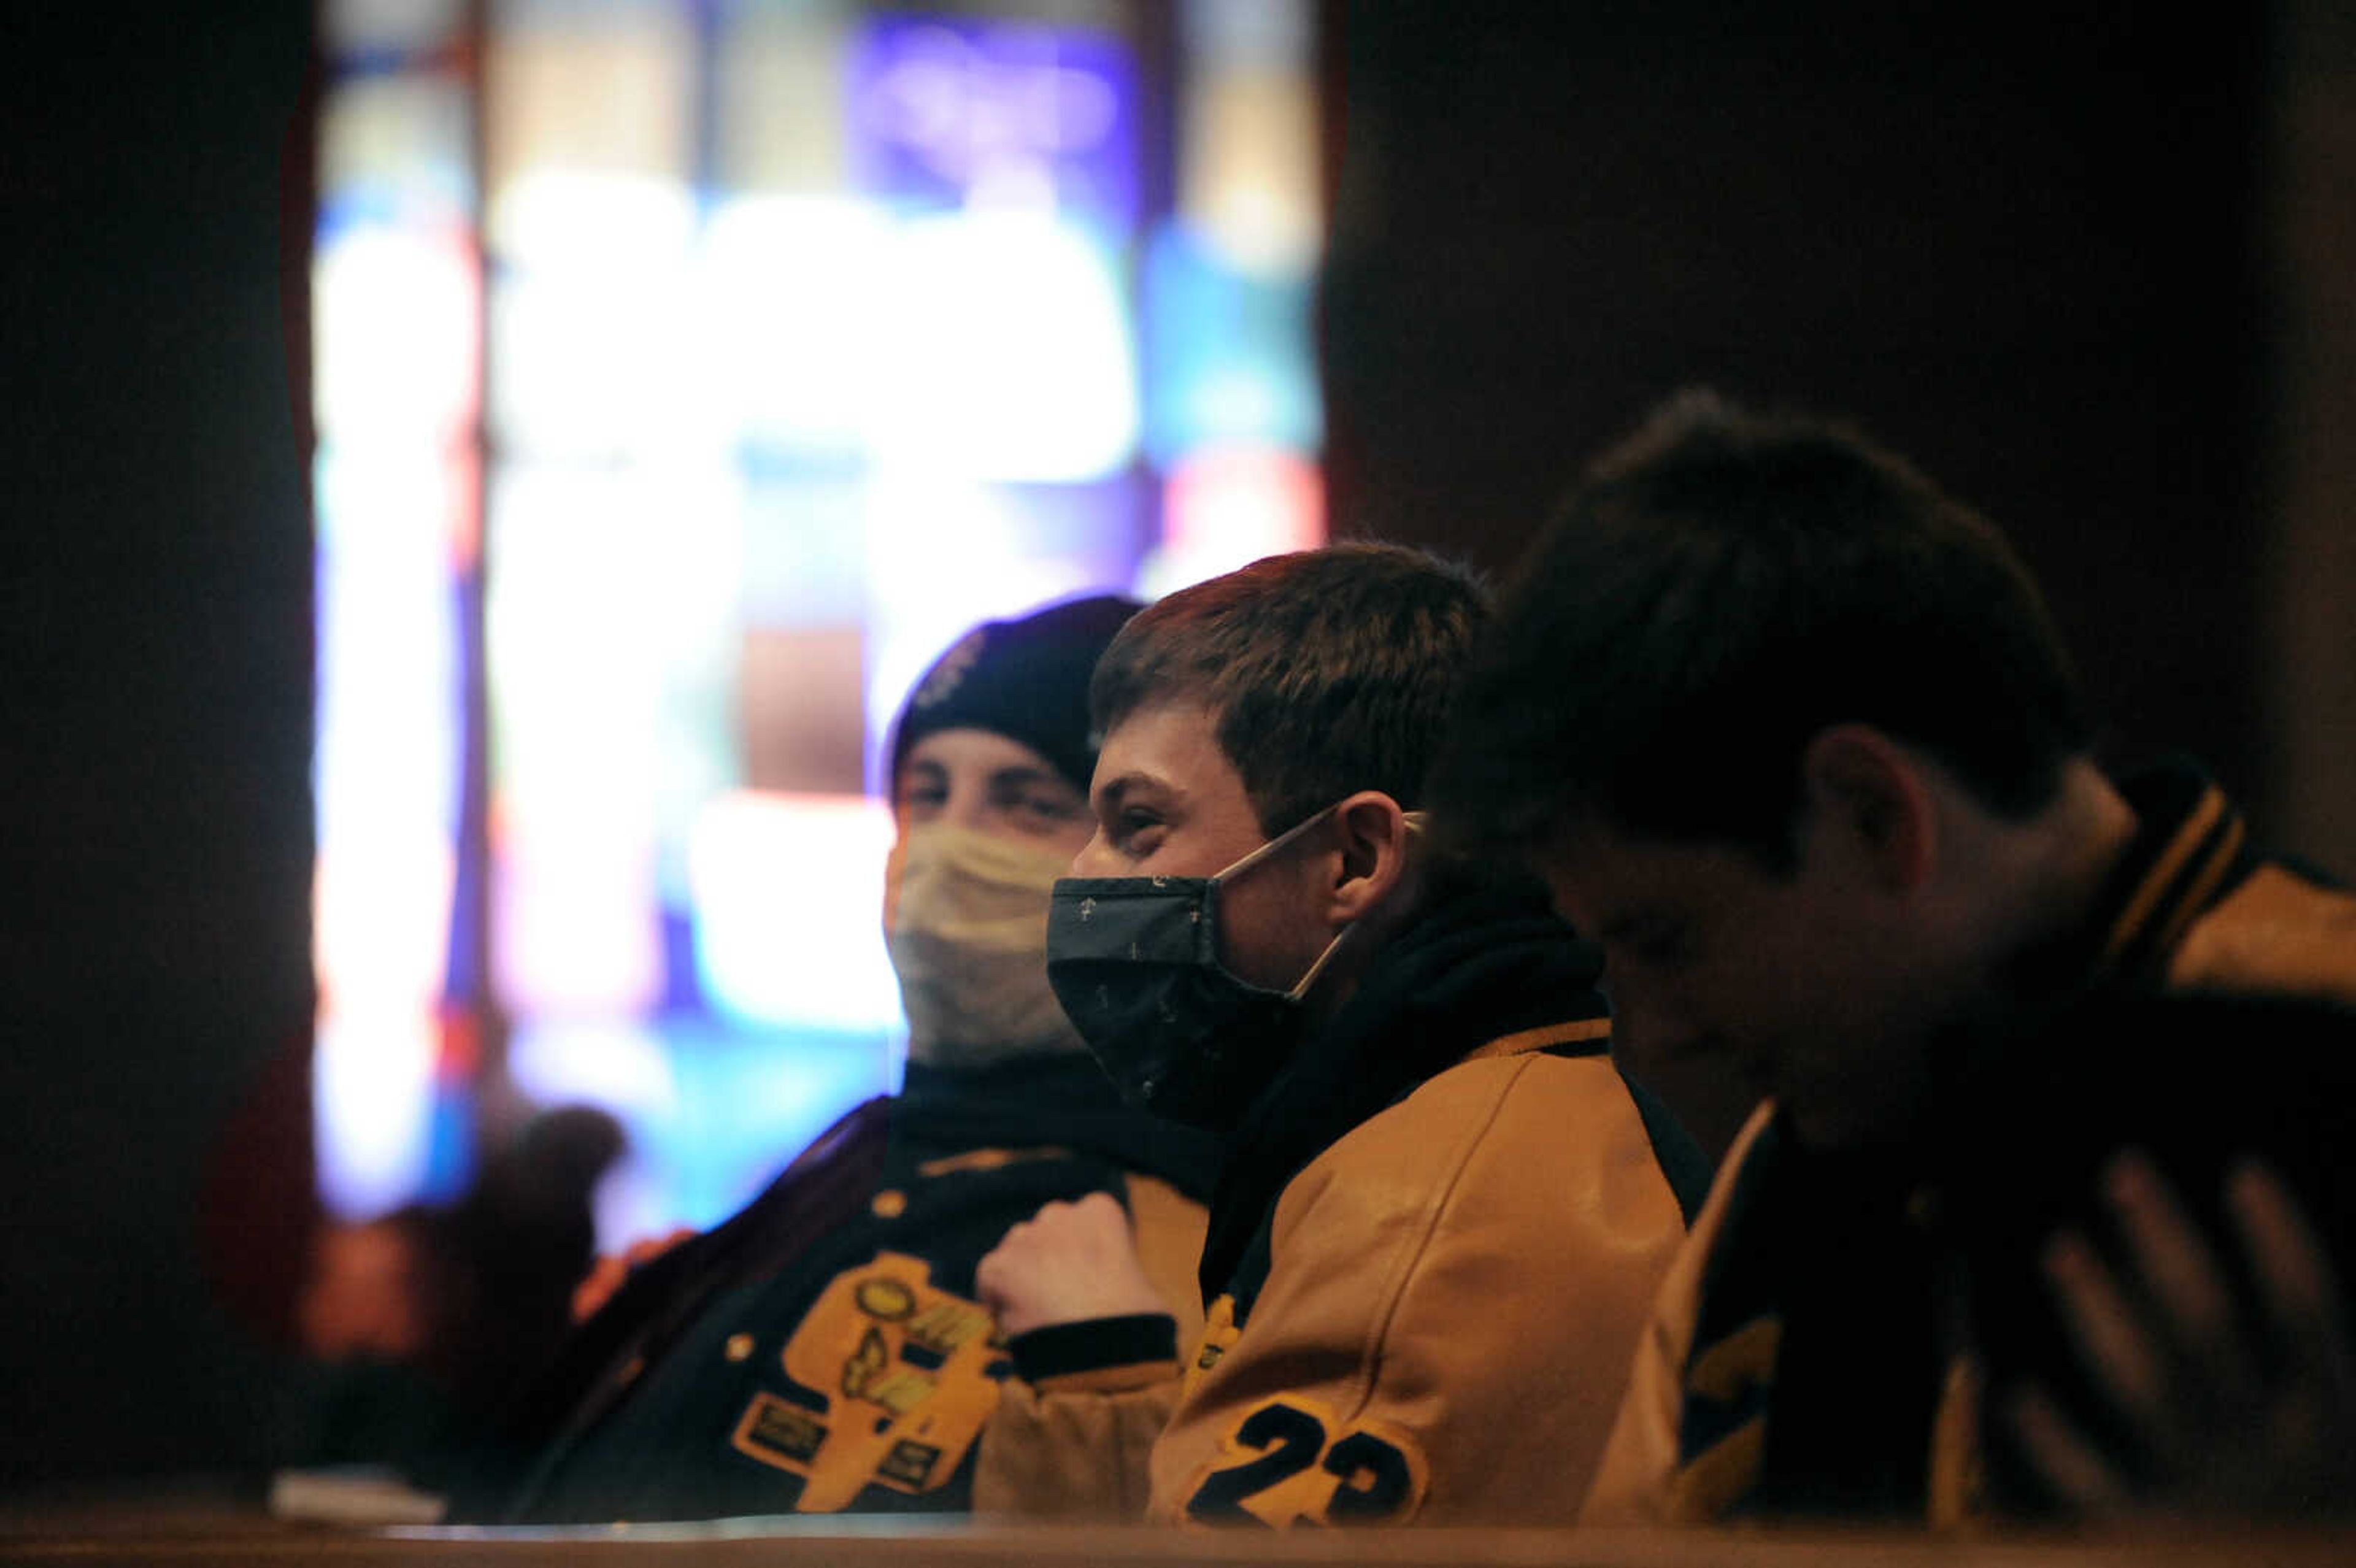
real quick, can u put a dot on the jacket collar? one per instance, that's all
(1485, 968)
(2191, 849)
(1546, 1036)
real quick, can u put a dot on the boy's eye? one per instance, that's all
(1029, 806)
(1042, 804)
(1131, 828)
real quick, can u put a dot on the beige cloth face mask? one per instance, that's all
(968, 934)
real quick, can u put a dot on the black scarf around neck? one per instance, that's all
(1483, 958)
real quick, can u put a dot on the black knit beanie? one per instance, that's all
(1026, 679)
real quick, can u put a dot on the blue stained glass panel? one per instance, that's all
(1229, 359)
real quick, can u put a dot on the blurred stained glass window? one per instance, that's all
(689, 374)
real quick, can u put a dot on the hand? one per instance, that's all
(2228, 1422)
(1067, 1264)
(606, 1275)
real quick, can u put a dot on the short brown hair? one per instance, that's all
(1328, 670)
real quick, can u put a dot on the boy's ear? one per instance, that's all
(1866, 787)
(1372, 834)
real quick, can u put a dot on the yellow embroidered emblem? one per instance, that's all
(904, 1371)
(771, 1425)
(1219, 1331)
(944, 1327)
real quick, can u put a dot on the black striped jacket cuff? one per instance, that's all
(1095, 1344)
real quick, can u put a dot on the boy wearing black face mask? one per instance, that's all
(823, 1349)
(1443, 1212)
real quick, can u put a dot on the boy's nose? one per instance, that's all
(1096, 858)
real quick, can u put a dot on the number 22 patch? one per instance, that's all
(1290, 1461)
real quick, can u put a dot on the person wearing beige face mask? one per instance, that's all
(984, 829)
(825, 1350)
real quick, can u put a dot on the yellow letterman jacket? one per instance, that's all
(2191, 910)
(1432, 1322)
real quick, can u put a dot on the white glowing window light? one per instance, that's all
(990, 345)
(595, 358)
(697, 634)
(396, 301)
(788, 894)
(372, 1086)
(594, 220)
(386, 767)
(1006, 353)
(608, 589)
(791, 297)
(394, 313)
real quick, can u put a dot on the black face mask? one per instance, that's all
(1135, 962)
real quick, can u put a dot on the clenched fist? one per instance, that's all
(1067, 1264)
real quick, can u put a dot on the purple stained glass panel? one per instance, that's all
(947, 111)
